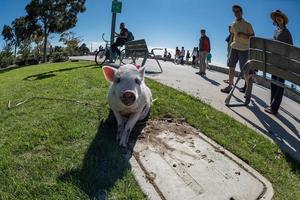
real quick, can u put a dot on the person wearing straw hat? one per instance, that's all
(281, 34)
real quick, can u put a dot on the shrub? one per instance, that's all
(31, 59)
(20, 61)
(59, 57)
(6, 59)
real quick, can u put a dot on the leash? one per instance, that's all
(86, 103)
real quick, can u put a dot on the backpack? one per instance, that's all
(130, 36)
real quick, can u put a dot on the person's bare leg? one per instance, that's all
(247, 78)
(231, 75)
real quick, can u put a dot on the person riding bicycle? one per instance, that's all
(121, 39)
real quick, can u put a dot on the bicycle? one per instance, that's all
(103, 55)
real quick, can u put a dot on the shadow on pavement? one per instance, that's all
(50, 74)
(105, 162)
(290, 114)
(211, 81)
(279, 116)
(286, 142)
(152, 73)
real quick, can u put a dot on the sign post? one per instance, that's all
(115, 8)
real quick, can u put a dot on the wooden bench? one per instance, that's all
(139, 49)
(270, 57)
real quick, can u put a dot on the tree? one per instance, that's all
(37, 38)
(17, 32)
(58, 49)
(71, 41)
(54, 16)
(83, 49)
(7, 33)
(25, 49)
(6, 57)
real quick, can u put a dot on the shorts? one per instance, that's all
(237, 56)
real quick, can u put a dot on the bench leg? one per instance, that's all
(228, 98)
(159, 65)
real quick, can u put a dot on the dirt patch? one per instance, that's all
(176, 126)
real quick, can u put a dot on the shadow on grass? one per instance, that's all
(50, 74)
(44, 76)
(7, 69)
(105, 162)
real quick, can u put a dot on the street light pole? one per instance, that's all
(113, 28)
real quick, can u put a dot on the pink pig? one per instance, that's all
(128, 97)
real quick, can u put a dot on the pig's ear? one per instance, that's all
(142, 72)
(109, 72)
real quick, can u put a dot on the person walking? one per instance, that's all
(176, 57)
(281, 34)
(204, 49)
(194, 56)
(182, 54)
(228, 40)
(169, 56)
(165, 54)
(241, 31)
(187, 57)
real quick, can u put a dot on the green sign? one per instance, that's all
(116, 7)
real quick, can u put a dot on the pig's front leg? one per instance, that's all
(128, 128)
(121, 124)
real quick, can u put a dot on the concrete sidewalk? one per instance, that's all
(283, 129)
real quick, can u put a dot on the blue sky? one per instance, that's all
(171, 23)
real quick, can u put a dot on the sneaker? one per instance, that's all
(226, 89)
(226, 81)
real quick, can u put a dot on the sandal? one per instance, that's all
(269, 110)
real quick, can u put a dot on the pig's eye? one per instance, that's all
(117, 80)
(137, 81)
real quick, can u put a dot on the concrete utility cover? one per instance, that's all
(172, 160)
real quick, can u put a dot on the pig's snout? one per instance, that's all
(128, 98)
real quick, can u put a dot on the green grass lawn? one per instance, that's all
(64, 150)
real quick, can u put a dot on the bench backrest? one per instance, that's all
(274, 57)
(136, 48)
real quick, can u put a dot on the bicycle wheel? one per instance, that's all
(125, 59)
(100, 57)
